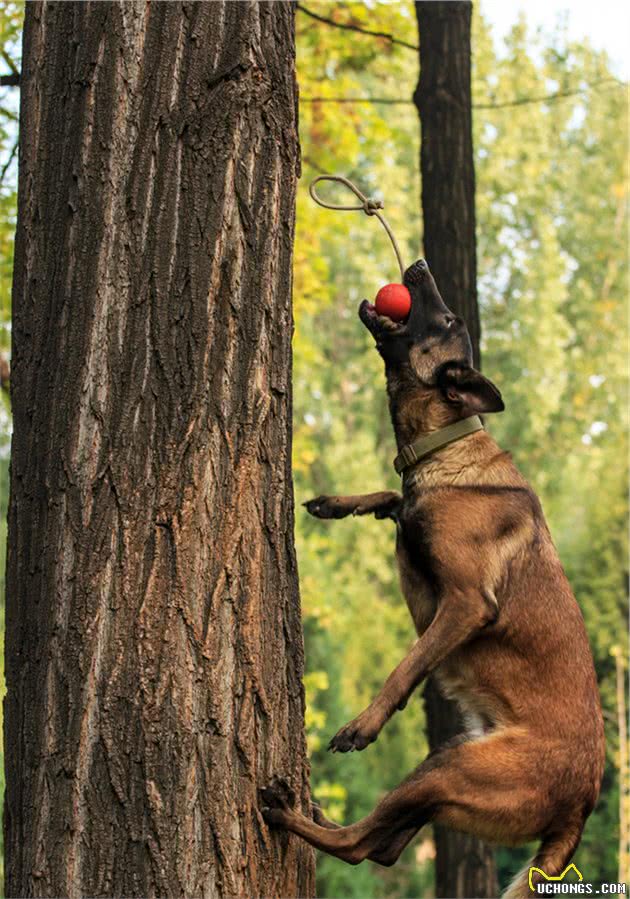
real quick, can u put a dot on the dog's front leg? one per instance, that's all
(458, 618)
(384, 504)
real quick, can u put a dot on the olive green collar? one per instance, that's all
(413, 452)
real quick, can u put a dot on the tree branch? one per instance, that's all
(10, 80)
(518, 101)
(314, 165)
(9, 114)
(388, 100)
(10, 62)
(549, 98)
(347, 26)
(7, 164)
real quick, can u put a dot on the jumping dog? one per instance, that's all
(498, 626)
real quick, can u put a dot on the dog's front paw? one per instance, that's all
(278, 800)
(327, 507)
(357, 734)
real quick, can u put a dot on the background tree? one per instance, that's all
(154, 651)
(464, 865)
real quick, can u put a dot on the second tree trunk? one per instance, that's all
(464, 866)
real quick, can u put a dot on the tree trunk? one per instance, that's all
(464, 865)
(154, 647)
(443, 100)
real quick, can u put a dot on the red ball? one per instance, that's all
(394, 301)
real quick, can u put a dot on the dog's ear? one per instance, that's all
(467, 388)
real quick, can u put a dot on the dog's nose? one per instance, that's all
(416, 273)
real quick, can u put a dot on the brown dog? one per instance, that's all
(497, 623)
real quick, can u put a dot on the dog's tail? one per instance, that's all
(553, 856)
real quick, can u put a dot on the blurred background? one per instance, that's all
(550, 133)
(550, 128)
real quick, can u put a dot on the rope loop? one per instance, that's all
(372, 205)
(368, 205)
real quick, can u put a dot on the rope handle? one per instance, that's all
(367, 205)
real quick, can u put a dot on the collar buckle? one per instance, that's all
(405, 458)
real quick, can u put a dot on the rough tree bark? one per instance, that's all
(464, 865)
(154, 648)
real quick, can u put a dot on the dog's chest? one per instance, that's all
(416, 586)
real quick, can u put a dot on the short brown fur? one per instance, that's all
(497, 626)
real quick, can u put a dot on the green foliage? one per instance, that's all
(551, 195)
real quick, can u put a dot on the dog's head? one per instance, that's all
(432, 348)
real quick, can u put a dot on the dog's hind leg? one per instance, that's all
(380, 836)
(386, 857)
(391, 853)
(382, 505)
(492, 787)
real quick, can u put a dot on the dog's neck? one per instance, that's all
(417, 411)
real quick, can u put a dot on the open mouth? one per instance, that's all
(376, 323)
